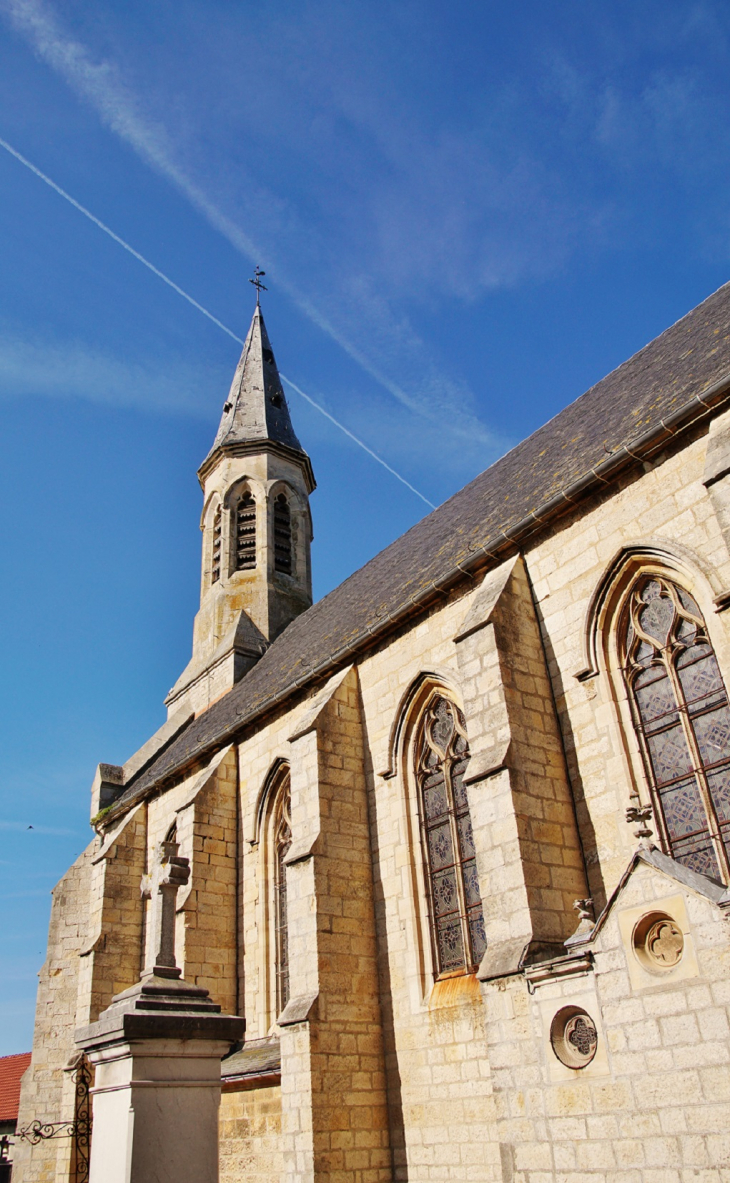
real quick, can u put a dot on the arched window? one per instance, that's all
(282, 534)
(457, 917)
(246, 532)
(680, 711)
(216, 566)
(281, 844)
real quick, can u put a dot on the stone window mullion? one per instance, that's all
(698, 767)
(681, 716)
(465, 934)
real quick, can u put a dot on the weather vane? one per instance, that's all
(256, 281)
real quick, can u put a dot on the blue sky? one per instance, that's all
(468, 213)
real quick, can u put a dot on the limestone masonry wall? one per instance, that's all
(387, 1074)
(250, 1135)
(654, 1103)
(47, 1092)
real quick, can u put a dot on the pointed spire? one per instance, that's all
(256, 412)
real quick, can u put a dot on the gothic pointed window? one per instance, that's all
(282, 842)
(246, 533)
(282, 534)
(682, 719)
(457, 917)
(216, 565)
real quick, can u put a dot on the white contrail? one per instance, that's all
(354, 437)
(176, 288)
(100, 84)
(102, 226)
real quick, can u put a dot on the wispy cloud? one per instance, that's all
(70, 370)
(67, 370)
(101, 84)
(74, 376)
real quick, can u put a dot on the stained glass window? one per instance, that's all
(282, 534)
(682, 718)
(246, 533)
(282, 842)
(457, 917)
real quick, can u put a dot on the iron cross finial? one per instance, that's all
(256, 281)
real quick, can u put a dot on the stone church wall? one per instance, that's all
(250, 1135)
(666, 510)
(653, 1106)
(456, 1079)
(47, 1092)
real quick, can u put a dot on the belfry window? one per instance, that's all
(682, 719)
(457, 917)
(246, 533)
(216, 566)
(282, 842)
(282, 534)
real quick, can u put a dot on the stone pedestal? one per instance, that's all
(157, 1056)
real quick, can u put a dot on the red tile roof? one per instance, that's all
(11, 1070)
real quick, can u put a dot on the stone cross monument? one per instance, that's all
(170, 872)
(157, 1052)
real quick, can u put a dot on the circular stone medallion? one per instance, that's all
(658, 942)
(574, 1037)
(664, 943)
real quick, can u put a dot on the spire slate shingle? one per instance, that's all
(256, 411)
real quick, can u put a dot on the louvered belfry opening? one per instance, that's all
(282, 535)
(246, 533)
(217, 527)
(682, 719)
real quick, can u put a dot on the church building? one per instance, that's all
(458, 834)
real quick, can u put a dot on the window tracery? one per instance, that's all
(682, 719)
(246, 532)
(282, 535)
(281, 845)
(457, 917)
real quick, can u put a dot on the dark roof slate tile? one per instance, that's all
(653, 385)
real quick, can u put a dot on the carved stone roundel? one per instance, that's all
(658, 942)
(574, 1037)
(664, 943)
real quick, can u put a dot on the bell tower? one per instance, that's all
(257, 530)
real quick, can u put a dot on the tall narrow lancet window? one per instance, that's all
(681, 715)
(246, 533)
(282, 534)
(282, 842)
(457, 917)
(216, 565)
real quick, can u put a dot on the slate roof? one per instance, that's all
(256, 409)
(630, 413)
(11, 1071)
(711, 889)
(257, 1057)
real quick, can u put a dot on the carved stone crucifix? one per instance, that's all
(161, 885)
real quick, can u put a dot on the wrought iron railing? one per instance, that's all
(79, 1129)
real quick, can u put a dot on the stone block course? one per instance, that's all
(386, 1080)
